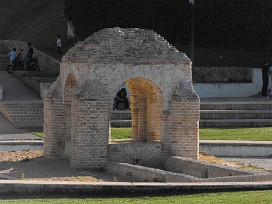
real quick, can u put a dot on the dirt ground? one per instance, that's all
(32, 165)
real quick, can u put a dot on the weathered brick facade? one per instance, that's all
(163, 103)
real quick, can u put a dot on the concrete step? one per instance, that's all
(121, 123)
(121, 115)
(235, 122)
(23, 114)
(236, 114)
(237, 105)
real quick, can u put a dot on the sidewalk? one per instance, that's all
(14, 89)
(9, 133)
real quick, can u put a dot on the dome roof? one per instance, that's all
(125, 45)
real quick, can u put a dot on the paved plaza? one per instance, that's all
(14, 90)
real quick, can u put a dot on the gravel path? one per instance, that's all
(262, 162)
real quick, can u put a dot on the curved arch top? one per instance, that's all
(123, 45)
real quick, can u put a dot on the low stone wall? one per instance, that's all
(136, 153)
(231, 89)
(145, 174)
(46, 62)
(200, 169)
(223, 75)
(247, 178)
(238, 148)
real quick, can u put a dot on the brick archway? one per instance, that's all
(146, 103)
(164, 104)
(71, 85)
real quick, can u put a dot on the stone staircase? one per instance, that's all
(4, 60)
(242, 112)
(23, 114)
(236, 113)
(121, 118)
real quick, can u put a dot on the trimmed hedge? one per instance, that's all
(234, 24)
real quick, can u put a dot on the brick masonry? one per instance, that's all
(163, 103)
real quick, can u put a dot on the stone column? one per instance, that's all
(183, 129)
(54, 127)
(89, 133)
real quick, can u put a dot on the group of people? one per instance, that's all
(15, 57)
(266, 72)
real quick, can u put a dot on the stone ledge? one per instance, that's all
(21, 145)
(74, 189)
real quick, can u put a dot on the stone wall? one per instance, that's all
(178, 169)
(223, 75)
(145, 174)
(200, 169)
(23, 114)
(147, 154)
(46, 62)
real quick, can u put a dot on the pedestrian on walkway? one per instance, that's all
(270, 73)
(12, 55)
(265, 78)
(28, 56)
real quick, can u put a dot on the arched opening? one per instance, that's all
(146, 104)
(69, 90)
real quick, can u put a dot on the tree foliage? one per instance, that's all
(235, 24)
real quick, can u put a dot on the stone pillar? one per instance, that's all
(181, 135)
(90, 133)
(139, 122)
(183, 129)
(154, 114)
(54, 127)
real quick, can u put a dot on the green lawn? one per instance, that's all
(245, 197)
(253, 134)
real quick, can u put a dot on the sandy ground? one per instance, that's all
(33, 166)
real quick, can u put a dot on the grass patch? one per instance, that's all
(40, 134)
(248, 197)
(121, 133)
(252, 134)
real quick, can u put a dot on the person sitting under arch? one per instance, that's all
(121, 97)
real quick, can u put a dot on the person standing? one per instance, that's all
(265, 78)
(58, 44)
(12, 56)
(270, 73)
(29, 55)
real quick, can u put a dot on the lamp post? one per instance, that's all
(192, 36)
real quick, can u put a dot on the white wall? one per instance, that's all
(231, 89)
